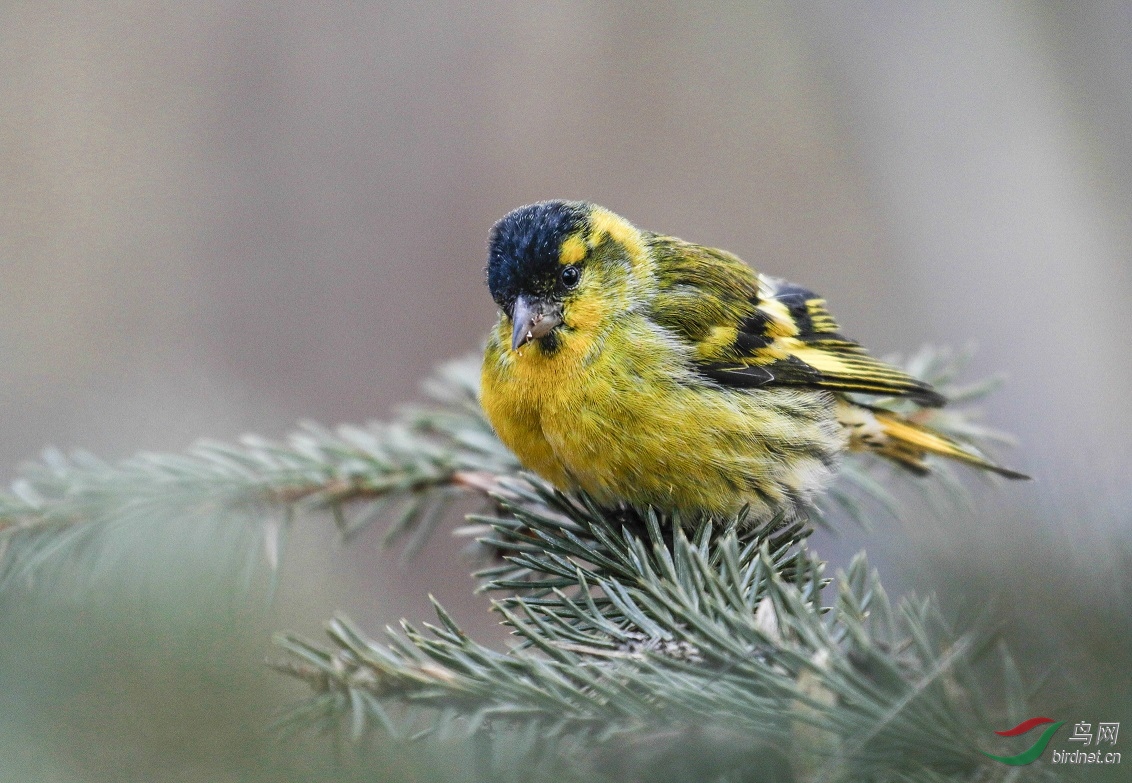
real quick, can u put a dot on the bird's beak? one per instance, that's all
(533, 318)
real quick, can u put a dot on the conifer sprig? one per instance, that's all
(635, 632)
(632, 626)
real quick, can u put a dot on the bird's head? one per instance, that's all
(562, 267)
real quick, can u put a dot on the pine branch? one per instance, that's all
(407, 472)
(633, 627)
(635, 631)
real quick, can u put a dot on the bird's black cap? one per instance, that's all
(522, 257)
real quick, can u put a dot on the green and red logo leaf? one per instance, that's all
(1030, 754)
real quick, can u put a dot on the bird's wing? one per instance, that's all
(753, 331)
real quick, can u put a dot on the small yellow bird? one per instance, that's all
(651, 371)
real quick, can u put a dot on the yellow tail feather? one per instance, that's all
(908, 443)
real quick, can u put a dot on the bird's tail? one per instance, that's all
(906, 442)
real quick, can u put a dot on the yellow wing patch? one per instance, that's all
(820, 317)
(719, 342)
(792, 340)
(779, 321)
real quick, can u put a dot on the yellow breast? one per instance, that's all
(620, 415)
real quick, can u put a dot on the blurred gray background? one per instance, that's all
(218, 218)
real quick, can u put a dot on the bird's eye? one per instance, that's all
(570, 276)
